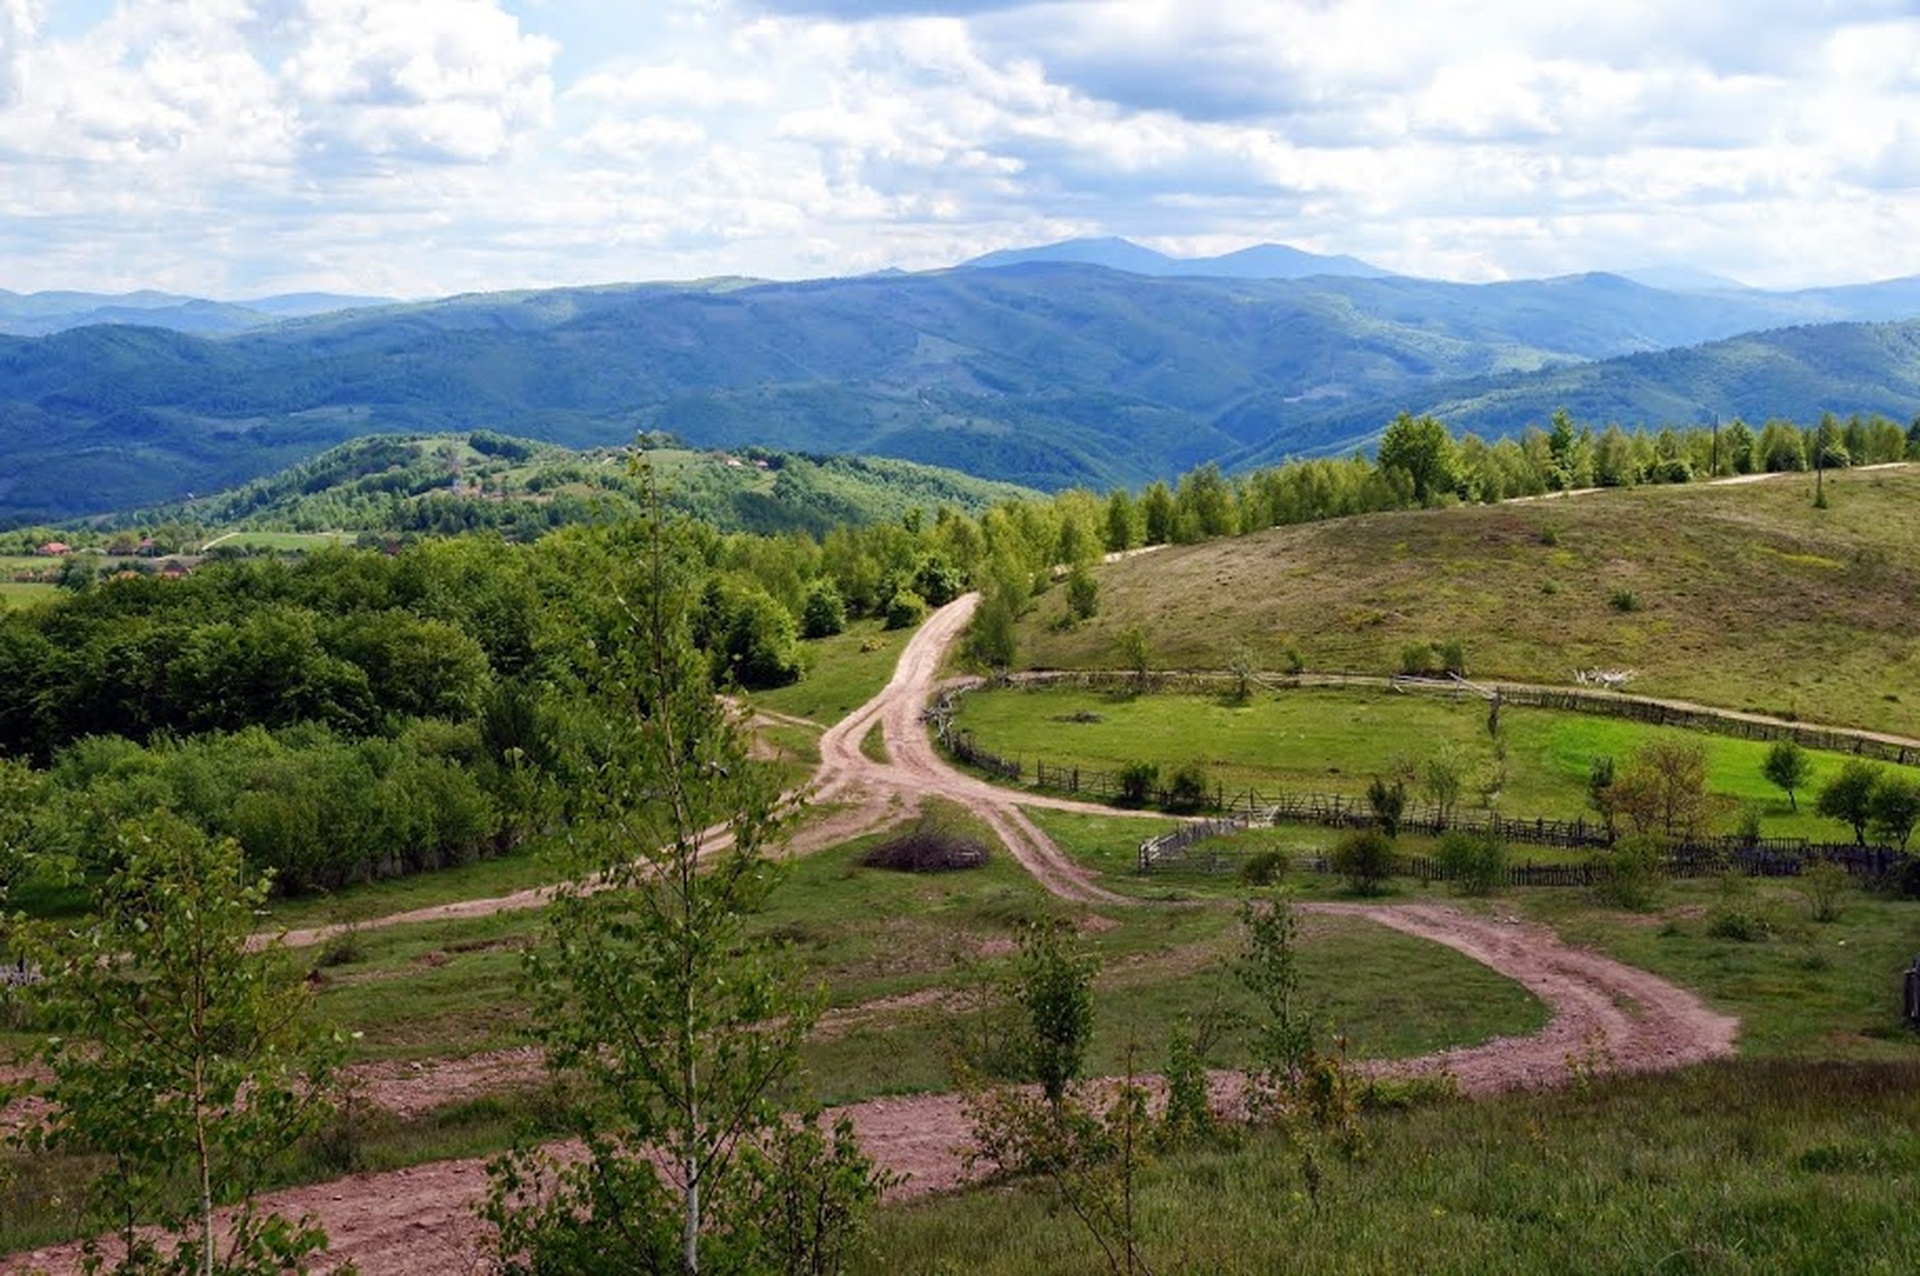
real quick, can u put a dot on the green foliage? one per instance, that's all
(680, 1037)
(1624, 600)
(1052, 983)
(1138, 783)
(1848, 797)
(1788, 768)
(1663, 792)
(1738, 914)
(824, 613)
(1263, 868)
(1083, 595)
(750, 638)
(1387, 799)
(992, 641)
(1474, 864)
(905, 609)
(187, 1060)
(1824, 885)
(1421, 453)
(1634, 870)
(1366, 858)
(1895, 808)
(1268, 967)
(1189, 788)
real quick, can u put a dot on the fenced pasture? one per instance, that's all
(1309, 751)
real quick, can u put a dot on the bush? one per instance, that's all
(1822, 884)
(1742, 923)
(1624, 600)
(1263, 868)
(1365, 858)
(1189, 789)
(824, 613)
(1138, 780)
(1389, 803)
(1634, 870)
(1473, 864)
(1417, 659)
(905, 609)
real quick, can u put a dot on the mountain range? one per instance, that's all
(1089, 362)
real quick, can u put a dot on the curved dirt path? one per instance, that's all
(1606, 1016)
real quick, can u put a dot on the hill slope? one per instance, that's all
(1741, 594)
(454, 483)
(1045, 374)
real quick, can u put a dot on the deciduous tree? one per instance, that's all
(681, 1032)
(1787, 767)
(181, 1055)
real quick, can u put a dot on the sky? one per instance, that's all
(415, 148)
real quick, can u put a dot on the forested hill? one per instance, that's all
(447, 484)
(1046, 374)
(1792, 374)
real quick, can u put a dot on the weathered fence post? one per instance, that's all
(1911, 1005)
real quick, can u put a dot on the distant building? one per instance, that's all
(53, 549)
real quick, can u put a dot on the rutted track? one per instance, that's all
(1605, 1014)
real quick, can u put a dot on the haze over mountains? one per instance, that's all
(1095, 362)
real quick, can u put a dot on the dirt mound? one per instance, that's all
(928, 850)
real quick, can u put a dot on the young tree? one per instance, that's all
(1083, 595)
(1787, 766)
(181, 1055)
(678, 1029)
(1663, 792)
(1896, 808)
(1848, 796)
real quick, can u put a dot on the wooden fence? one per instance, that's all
(1611, 704)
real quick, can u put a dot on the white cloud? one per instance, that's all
(435, 145)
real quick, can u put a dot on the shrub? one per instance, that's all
(1822, 884)
(1389, 802)
(1473, 864)
(1634, 870)
(1189, 788)
(1083, 595)
(905, 609)
(1624, 600)
(1453, 657)
(824, 613)
(1138, 780)
(1417, 659)
(1263, 868)
(1365, 858)
(1742, 923)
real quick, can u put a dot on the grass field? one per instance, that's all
(1742, 596)
(843, 673)
(1739, 1168)
(1329, 741)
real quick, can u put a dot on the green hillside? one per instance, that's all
(1045, 374)
(1742, 595)
(456, 483)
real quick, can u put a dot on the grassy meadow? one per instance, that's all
(1336, 741)
(1731, 1168)
(1743, 596)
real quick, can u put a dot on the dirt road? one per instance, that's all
(1606, 1016)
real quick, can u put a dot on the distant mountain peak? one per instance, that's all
(1261, 261)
